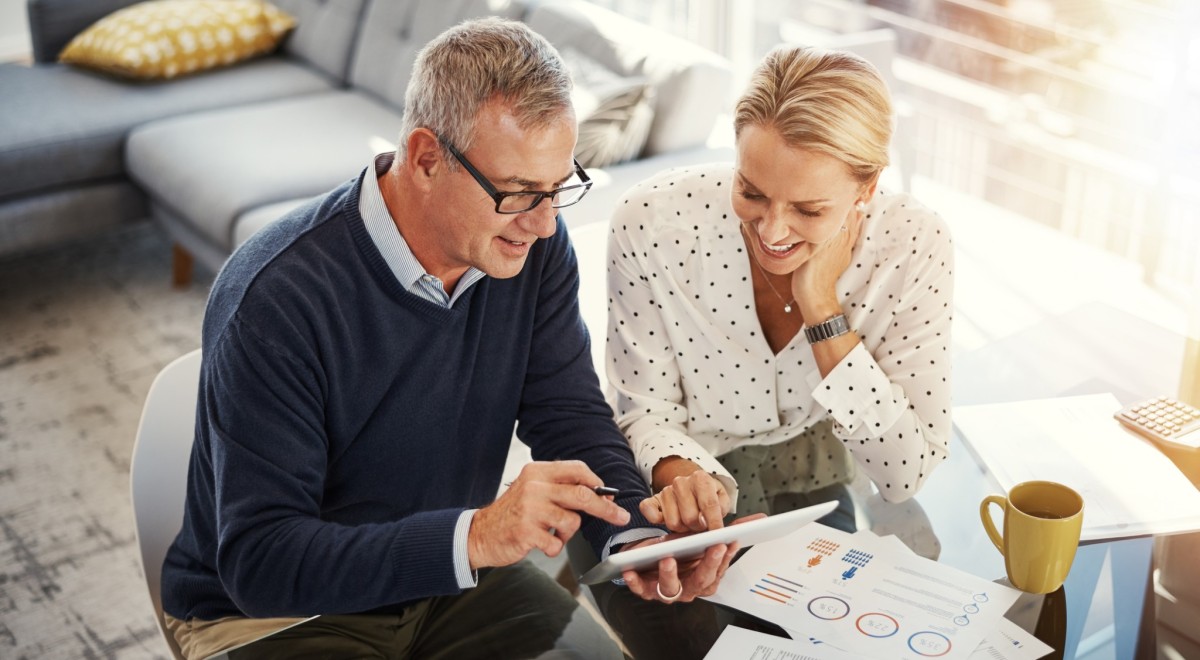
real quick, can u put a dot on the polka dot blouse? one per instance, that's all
(693, 375)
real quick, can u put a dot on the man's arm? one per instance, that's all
(563, 414)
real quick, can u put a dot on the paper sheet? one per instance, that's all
(866, 595)
(1010, 642)
(1129, 488)
(741, 644)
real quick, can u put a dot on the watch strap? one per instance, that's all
(828, 329)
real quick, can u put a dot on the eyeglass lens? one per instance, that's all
(520, 202)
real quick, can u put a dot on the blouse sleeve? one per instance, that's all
(640, 363)
(891, 405)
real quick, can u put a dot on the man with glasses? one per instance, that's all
(365, 360)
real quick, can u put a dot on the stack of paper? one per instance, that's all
(1129, 488)
(865, 596)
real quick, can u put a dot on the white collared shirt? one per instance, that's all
(693, 376)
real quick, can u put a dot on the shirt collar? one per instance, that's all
(387, 238)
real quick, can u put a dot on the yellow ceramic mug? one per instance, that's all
(1042, 520)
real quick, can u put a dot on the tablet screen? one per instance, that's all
(692, 546)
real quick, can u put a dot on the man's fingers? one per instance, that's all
(578, 497)
(562, 472)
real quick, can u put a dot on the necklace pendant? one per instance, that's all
(787, 309)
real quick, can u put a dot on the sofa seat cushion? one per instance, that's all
(254, 220)
(208, 169)
(65, 127)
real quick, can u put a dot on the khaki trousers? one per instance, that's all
(515, 612)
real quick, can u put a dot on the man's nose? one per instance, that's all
(540, 220)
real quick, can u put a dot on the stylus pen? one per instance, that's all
(602, 491)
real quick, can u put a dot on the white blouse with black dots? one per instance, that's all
(693, 375)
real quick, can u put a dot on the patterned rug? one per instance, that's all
(83, 331)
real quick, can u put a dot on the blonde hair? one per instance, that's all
(833, 102)
(469, 64)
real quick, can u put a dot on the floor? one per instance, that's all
(84, 329)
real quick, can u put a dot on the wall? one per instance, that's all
(14, 30)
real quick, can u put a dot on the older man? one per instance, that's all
(365, 359)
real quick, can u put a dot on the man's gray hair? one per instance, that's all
(469, 64)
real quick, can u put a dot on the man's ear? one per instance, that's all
(424, 158)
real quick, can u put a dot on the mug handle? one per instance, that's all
(989, 525)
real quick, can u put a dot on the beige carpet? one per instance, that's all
(83, 331)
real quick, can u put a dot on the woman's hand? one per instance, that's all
(813, 283)
(688, 500)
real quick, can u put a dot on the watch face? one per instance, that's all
(827, 330)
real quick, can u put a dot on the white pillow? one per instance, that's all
(614, 112)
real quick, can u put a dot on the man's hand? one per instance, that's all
(691, 501)
(539, 510)
(672, 582)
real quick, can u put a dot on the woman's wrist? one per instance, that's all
(819, 309)
(668, 469)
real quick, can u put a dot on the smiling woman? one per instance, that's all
(716, 270)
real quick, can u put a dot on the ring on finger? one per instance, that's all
(669, 599)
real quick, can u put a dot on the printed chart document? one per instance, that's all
(741, 644)
(1011, 642)
(1129, 487)
(865, 595)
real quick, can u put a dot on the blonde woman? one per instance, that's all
(778, 324)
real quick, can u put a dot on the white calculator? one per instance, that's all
(1164, 420)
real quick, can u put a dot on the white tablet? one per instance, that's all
(693, 546)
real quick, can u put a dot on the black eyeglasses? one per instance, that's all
(520, 202)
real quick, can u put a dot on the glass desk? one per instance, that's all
(1106, 608)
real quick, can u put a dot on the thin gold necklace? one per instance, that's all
(787, 306)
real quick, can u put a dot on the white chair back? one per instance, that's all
(158, 471)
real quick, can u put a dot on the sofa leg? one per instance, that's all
(181, 267)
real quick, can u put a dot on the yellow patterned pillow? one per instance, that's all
(162, 39)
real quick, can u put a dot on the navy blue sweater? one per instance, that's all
(344, 424)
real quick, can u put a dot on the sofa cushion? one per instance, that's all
(208, 169)
(394, 31)
(38, 221)
(250, 222)
(325, 33)
(693, 85)
(614, 112)
(53, 23)
(63, 126)
(160, 39)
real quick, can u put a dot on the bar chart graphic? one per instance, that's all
(778, 589)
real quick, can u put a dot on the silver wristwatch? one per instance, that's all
(827, 329)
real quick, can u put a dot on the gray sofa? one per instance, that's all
(216, 156)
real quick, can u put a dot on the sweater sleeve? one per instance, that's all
(563, 414)
(263, 408)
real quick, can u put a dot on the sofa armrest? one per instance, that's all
(53, 23)
(693, 85)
